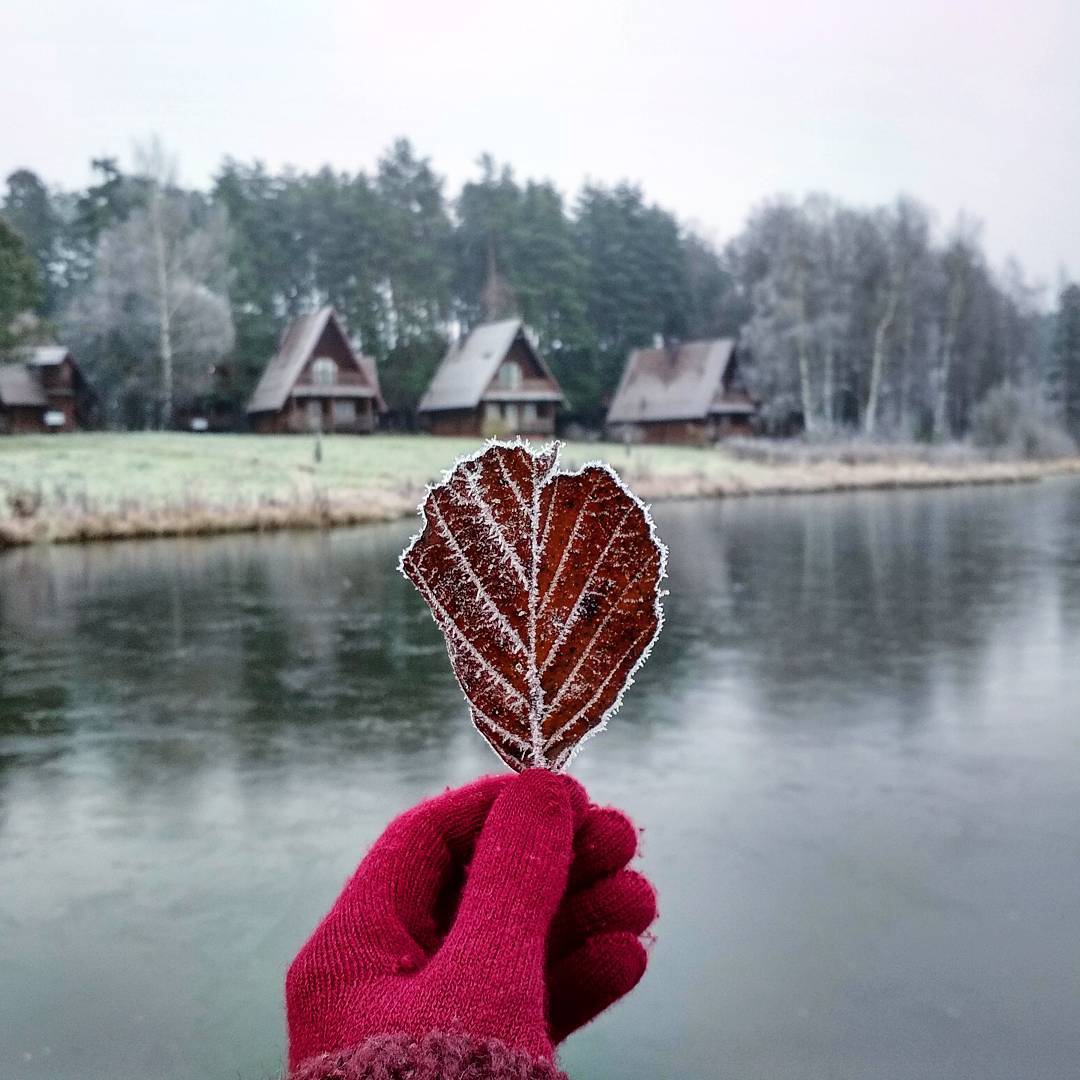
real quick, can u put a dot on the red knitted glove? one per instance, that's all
(483, 927)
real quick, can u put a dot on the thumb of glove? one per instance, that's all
(516, 880)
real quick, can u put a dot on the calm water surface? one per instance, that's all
(855, 752)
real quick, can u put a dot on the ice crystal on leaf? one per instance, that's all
(546, 585)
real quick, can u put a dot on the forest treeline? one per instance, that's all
(869, 319)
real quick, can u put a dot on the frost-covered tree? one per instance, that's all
(1067, 357)
(905, 241)
(864, 318)
(155, 313)
(786, 300)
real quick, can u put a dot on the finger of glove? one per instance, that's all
(517, 876)
(605, 842)
(625, 901)
(585, 983)
(386, 918)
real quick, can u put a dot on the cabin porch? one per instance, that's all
(494, 419)
(330, 415)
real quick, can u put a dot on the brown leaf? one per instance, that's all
(546, 586)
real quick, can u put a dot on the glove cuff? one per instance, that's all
(437, 1056)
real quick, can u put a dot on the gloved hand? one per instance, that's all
(482, 928)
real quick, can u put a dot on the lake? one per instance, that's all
(855, 753)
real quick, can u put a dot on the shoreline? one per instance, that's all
(79, 520)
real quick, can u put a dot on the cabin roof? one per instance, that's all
(469, 365)
(685, 383)
(19, 385)
(371, 370)
(46, 355)
(298, 343)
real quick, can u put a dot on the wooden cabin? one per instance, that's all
(44, 390)
(492, 383)
(689, 392)
(317, 382)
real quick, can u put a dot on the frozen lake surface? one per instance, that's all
(855, 752)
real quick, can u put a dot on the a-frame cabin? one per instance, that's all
(494, 382)
(317, 382)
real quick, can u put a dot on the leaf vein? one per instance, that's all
(563, 729)
(462, 558)
(493, 526)
(447, 622)
(569, 545)
(575, 611)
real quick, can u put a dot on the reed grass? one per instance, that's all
(119, 486)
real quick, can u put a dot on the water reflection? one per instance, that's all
(854, 750)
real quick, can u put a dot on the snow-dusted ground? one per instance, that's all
(97, 486)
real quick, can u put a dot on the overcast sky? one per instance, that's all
(710, 104)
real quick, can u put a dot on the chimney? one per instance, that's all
(671, 347)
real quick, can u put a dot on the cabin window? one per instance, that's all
(492, 412)
(510, 375)
(314, 415)
(345, 411)
(324, 371)
(528, 412)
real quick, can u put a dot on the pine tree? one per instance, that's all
(29, 209)
(413, 236)
(636, 279)
(20, 290)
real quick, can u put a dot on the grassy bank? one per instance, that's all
(99, 486)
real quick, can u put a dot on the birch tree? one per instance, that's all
(1066, 357)
(835, 265)
(155, 314)
(905, 230)
(779, 256)
(877, 358)
(958, 263)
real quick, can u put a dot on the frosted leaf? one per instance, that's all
(546, 585)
